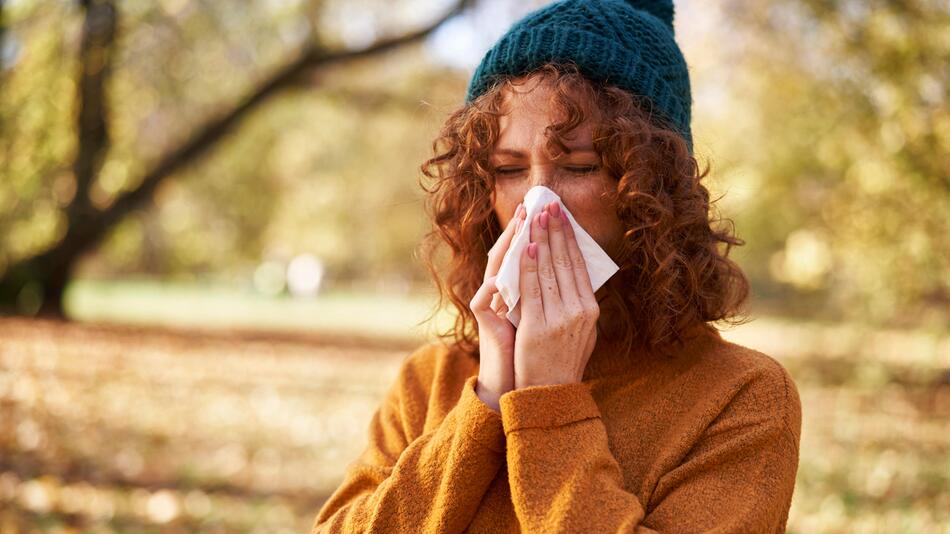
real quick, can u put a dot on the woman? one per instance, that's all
(620, 410)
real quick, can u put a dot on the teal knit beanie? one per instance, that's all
(627, 43)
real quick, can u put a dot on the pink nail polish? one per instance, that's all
(544, 220)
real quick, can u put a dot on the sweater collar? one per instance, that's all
(605, 363)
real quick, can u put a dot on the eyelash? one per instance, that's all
(579, 170)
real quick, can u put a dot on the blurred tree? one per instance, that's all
(845, 156)
(39, 276)
(832, 121)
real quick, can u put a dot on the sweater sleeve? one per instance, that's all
(434, 482)
(738, 477)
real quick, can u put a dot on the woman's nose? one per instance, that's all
(542, 175)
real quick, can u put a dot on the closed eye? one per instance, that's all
(583, 170)
(579, 170)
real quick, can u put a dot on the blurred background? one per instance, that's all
(209, 214)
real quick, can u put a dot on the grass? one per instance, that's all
(217, 306)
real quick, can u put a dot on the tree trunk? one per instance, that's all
(47, 273)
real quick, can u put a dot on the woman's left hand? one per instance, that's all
(558, 327)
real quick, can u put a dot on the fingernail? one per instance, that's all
(544, 220)
(532, 250)
(556, 210)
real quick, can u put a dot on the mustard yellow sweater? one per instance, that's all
(704, 441)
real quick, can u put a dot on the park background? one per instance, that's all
(209, 215)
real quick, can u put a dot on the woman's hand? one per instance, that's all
(558, 328)
(496, 334)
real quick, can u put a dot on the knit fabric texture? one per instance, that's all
(706, 439)
(629, 44)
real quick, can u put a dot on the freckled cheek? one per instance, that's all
(586, 209)
(597, 218)
(589, 221)
(505, 203)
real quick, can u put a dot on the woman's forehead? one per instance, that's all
(535, 91)
(516, 133)
(529, 106)
(524, 121)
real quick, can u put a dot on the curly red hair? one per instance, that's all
(673, 277)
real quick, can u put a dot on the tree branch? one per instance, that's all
(86, 226)
(206, 135)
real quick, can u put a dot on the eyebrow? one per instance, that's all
(519, 154)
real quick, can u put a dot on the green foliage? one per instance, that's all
(328, 168)
(36, 124)
(827, 124)
(845, 153)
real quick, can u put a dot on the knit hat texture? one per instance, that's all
(627, 43)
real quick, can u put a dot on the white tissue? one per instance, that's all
(600, 266)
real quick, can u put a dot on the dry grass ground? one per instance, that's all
(140, 429)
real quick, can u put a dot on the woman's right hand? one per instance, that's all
(496, 334)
